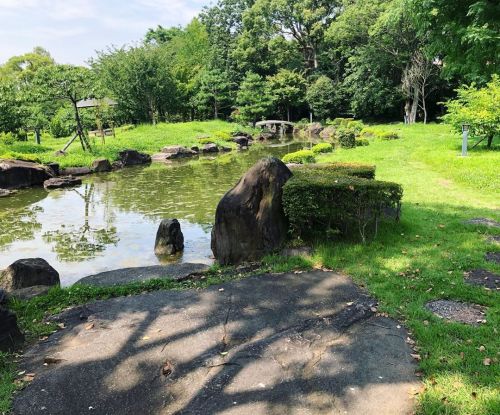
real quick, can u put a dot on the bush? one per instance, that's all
(322, 148)
(7, 139)
(127, 127)
(356, 126)
(360, 142)
(223, 136)
(62, 123)
(346, 137)
(205, 140)
(299, 157)
(389, 135)
(341, 122)
(365, 171)
(322, 204)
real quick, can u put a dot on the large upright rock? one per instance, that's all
(169, 238)
(10, 335)
(15, 174)
(133, 158)
(249, 221)
(28, 272)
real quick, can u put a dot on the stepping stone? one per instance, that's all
(494, 239)
(493, 257)
(483, 278)
(177, 272)
(483, 221)
(472, 314)
(269, 344)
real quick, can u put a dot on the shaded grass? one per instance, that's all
(147, 138)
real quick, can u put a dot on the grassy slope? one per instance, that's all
(424, 258)
(147, 138)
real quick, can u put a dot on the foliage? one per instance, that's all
(254, 101)
(214, 93)
(11, 114)
(346, 137)
(388, 135)
(364, 171)
(321, 203)
(322, 148)
(362, 142)
(299, 157)
(480, 108)
(321, 97)
(288, 89)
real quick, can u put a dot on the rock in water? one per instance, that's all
(28, 273)
(169, 238)
(62, 182)
(250, 221)
(133, 158)
(10, 335)
(15, 174)
(101, 165)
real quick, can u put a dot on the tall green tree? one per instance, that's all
(288, 89)
(321, 97)
(254, 101)
(214, 93)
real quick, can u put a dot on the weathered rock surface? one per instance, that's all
(265, 345)
(76, 171)
(174, 152)
(249, 220)
(30, 292)
(6, 192)
(244, 134)
(241, 141)
(3, 296)
(101, 165)
(315, 128)
(10, 335)
(483, 278)
(177, 272)
(266, 136)
(169, 238)
(328, 132)
(466, 313)
(210, 148)
(484, 221)
(28, 272)
(61, 182)
(493, 257)
(55, 169)
(133, 158)
(15, 174)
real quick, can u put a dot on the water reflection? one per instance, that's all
(111, 220)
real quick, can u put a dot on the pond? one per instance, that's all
(110, 221)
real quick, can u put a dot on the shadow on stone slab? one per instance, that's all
(483, 278)
(263, 345)
(493, 257)
(122, 276)
(466, 313)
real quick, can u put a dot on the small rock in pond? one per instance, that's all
(61, 182)
(169, 238)
(133, 158)
(210, 148)
(28, 272)
(484, 278)
(76, 171)
(472, 314)
(493, 257)
(101, 165)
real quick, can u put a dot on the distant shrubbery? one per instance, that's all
(299, 157)
(336, 201)
(346, 137)
(322, 148)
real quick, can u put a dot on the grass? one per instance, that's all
(418, 260)
(146, 138)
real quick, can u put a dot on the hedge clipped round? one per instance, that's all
(364, 171)
(317, 204)
(299, 157)
(346, 137)
(322, 148)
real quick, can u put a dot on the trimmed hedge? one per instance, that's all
(346, 137)
(364, 171)
(299, 157)
(389, 135)
(360, 142)
(319, 204)
(322, 148)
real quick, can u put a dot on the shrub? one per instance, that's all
(356, 126)
(365, 171)
(205, 140)
(62, 124)
(127, 127)
(223, 136)
(20, 156)
(368, 132)
(341, 122)
(389, 135)
(322, 148)
(300, 157)
(360, 142)
(346, 137)
(7, 139)
(322, 204)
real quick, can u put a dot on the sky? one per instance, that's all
(72, 30)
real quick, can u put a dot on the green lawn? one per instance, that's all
(147, 138)
(425, 256)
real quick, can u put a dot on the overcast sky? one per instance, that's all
(71, 30)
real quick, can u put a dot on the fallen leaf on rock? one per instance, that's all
(462, 355)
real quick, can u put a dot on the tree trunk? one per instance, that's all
(79, 129)
(414, 106)
(216, 110)
(424, 107)
(37, 136)
(490, 140)
(288, 113)
(407, 111)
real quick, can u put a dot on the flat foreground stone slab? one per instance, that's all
(274, 344)
(493, 257)
(484, 221)
(472, 314)
(484, 278)
(128, 275)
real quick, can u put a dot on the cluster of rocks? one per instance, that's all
(24, 279)
(180, 152)
(16, 174)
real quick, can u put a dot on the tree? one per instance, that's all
(253, 99)
(66, 83)
(288, 89)
(161, 35)
(321, 97)
(480, 108)
(464, 34)
(213, 92)
(11, 114)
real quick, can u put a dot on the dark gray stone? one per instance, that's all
(266, 345)
(483, 278)
(241, 141)
(133, 158)
(54, 167)
(101, 165)
(61, 182)
(177, 272)
(484, 222)
(169, 238)
(3, 296)
(450, 310)
(266, 136)
(28, 272)
(76, 171)
(243, 134)
(15, 174)
(176, 152)
(10, 335)
(210, 148)
(493, 257)
(249, 220)
(30, 292)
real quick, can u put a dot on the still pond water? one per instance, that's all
(111, 220)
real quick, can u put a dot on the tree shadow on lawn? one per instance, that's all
(269, 344)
